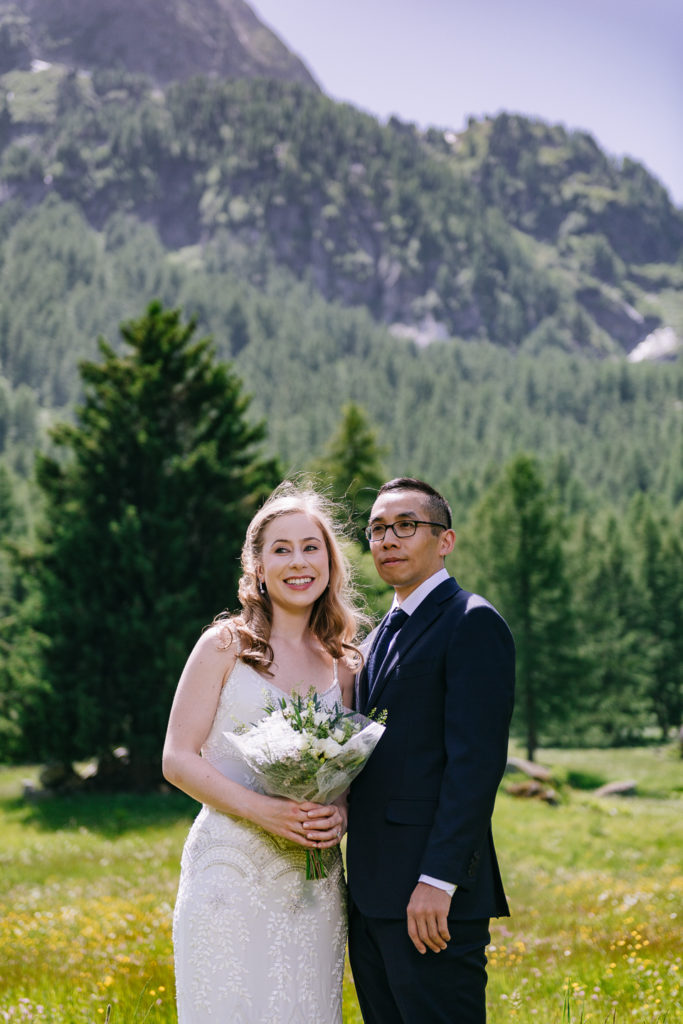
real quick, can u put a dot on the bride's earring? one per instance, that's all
(261, 588)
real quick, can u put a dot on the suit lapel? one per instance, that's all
(421, 619)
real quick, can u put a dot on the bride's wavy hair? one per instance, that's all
(336, 615)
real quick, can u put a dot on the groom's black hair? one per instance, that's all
(439, 509)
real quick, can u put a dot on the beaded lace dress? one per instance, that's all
(254, 942)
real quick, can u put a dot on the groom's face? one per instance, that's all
(406, 562)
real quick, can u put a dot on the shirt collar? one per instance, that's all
(414, 600)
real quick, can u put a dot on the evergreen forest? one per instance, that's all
(207, 285)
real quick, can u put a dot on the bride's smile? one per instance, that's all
(299, 581)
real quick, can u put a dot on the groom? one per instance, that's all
(422, 870)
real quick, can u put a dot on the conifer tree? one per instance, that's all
(21, 685)
(609, 611)
(146, 509)
(518, 563)
(660, 584)
(352, 464)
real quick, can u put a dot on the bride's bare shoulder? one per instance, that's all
(222, 633)
(218, 645)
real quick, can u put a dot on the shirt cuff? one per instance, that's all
(438, 883)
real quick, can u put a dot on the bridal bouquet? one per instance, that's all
(305, 751)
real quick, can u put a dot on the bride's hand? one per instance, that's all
(314, 826)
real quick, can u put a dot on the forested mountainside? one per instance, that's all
(453, 411)
(332, 256)
(437, 235)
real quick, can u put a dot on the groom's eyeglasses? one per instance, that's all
(405, 528)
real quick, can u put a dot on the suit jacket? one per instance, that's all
(423, 803)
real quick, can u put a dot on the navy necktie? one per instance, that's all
(380, 648)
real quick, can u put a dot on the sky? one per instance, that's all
(613, 68)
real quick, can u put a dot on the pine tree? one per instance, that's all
(352, 464)
(609, 610)
(660, 584)
(21, 685)
(516, 535)
(145, 515)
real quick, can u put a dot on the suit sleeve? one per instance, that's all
(479, 694)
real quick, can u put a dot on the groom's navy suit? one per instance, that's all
(423, 803)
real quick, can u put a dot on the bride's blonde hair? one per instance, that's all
(335, 617)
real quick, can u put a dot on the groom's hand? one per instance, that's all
(428, 918)
(325, 824)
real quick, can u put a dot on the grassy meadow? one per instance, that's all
(596, 888)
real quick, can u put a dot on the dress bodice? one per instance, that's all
(242, 702)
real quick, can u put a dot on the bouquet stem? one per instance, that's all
(315, 868)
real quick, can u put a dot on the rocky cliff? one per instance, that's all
(165, 39)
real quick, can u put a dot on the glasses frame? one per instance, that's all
(400, 522)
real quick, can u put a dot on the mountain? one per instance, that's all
(165, 39)
(332, 256)
(513, 231)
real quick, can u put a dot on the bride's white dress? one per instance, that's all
(255, 943)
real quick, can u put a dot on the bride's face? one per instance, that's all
(295, 565)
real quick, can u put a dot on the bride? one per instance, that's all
(254, 941)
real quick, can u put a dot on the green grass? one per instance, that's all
(596, 890)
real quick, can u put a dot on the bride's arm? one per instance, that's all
(192, 715)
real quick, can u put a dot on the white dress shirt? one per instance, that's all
(411, 604)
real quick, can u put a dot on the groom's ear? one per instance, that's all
(446, 542)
